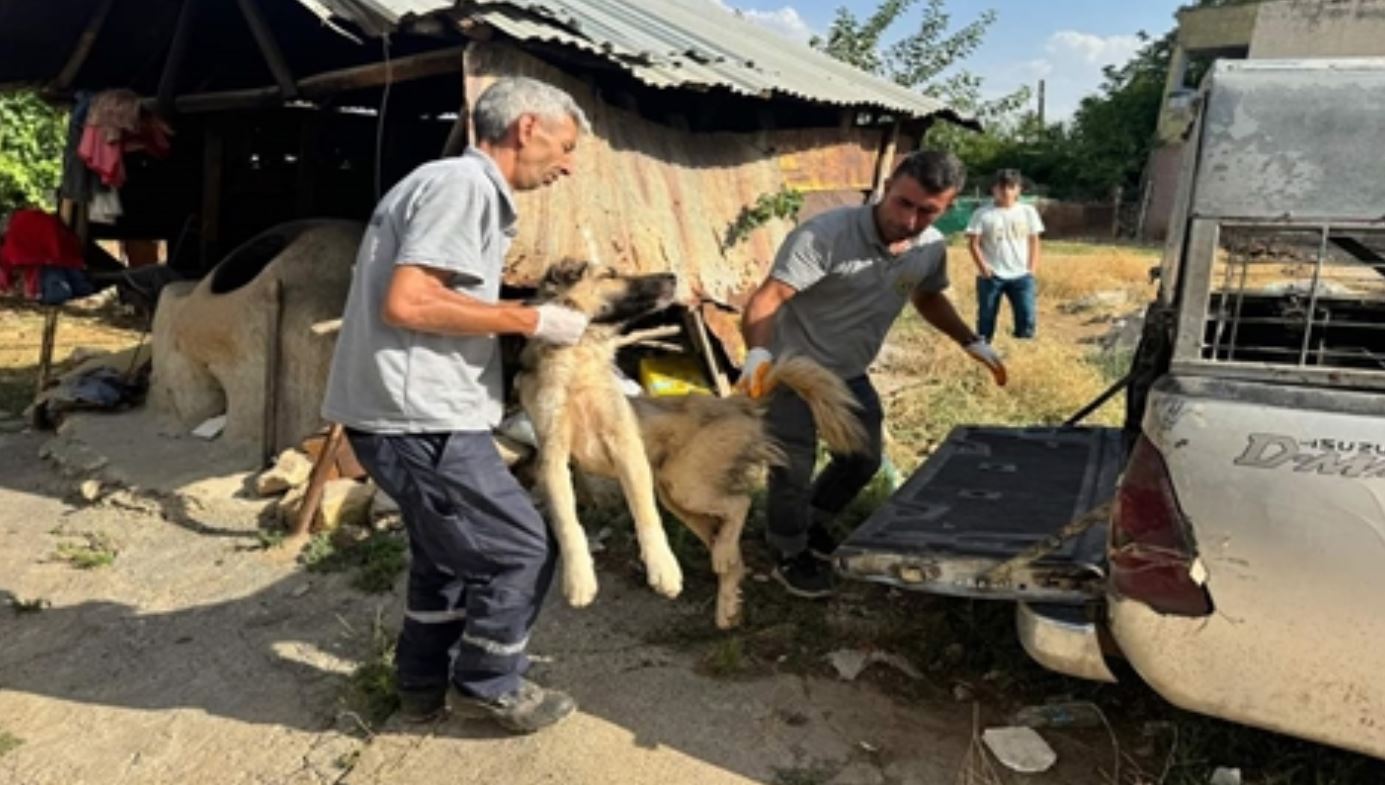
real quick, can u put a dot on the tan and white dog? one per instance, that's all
(698, 455)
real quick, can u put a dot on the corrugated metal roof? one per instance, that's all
(668, 43)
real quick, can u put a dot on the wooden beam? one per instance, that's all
(888, 143)
(440, 61)
(459, 135)
(270, 434)
(228, 100)
(702, 346)
(182, 35)
(269, 47)
(83, 48)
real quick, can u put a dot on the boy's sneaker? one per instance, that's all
(423, 704)
(529, 709)
(821, 543)
(804, 576)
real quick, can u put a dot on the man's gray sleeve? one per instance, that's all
(443, 223)
(935, 280)
(801, 261)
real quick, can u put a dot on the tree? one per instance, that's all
(32, 135)
(925, 60)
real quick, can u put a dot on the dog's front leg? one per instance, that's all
(555, 478)
(637, 481)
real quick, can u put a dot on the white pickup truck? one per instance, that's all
(1230, 541)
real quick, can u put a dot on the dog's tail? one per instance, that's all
(832, 404)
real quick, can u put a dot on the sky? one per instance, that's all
(1063, 42)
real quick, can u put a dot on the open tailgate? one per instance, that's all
(987, 495)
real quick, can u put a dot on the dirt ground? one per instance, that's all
(185, 652)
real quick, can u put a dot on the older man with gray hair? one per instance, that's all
(416, 380)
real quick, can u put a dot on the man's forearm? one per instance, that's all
(937, 310)
(1033, 253)
(974, 246)
(450, 313)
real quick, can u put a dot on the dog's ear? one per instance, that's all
(565, 273)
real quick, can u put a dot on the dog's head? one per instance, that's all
(604, 295)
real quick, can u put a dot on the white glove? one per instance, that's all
(984, 354)
(560, 325)
(757, 364)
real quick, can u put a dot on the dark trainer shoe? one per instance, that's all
(805, 576)
(821, 543)
(423, 704)
(529, 709)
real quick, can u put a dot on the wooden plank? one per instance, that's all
(270, 434)
(213, 151)
(45, 352)
(82, 50)
(228, 100)
(460, 134)
(274, 58)
(702, 346)
(177, 49)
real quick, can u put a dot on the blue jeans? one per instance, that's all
(1022, 294)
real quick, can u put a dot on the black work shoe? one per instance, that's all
(422, 704)
(821, 543)
(529, 709)
(805, 576)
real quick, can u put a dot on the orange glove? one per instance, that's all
(984, 354)
(758, 361)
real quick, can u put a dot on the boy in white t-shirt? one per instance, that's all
(1005, 246)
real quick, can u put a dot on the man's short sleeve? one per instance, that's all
(801, 261)
(443, 224)
(1036, 224)
(935, 273)
(974, 225)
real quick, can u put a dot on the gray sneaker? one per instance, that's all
(529, 709)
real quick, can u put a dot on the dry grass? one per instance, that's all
(929, 386)
(21, 334)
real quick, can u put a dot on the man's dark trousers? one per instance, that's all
(796, 501)
(481, 558)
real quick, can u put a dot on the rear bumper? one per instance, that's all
(1062, 639)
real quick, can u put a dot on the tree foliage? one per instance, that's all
(31, 147)
(926, 60)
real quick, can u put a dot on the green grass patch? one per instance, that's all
(371, 691)
(8, 743)
(93, 551)
(376, 560)
(24, 607)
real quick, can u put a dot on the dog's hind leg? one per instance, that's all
(637, 481)
(721, 533)
(555, 479)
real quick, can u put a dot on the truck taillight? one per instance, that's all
(1153, 557)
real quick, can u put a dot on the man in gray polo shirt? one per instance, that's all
(416, 380)
(838, 282)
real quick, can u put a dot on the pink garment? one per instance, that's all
(102, 156)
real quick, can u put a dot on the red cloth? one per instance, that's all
(34, 240)
(103, 156)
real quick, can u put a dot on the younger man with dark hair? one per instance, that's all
(1005, 246)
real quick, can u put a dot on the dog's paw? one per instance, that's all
(665, 576)
(579, 585)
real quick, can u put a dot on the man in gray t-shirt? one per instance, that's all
(838, 282)
(416, 381)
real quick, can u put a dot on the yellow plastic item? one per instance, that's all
(672, 374)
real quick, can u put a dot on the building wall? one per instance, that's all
(1319, 28)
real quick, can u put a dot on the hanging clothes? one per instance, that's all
(36, 240)
(115, 125)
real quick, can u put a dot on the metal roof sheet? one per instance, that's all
(668, 43)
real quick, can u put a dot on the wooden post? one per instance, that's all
(45, 352)
(212, 155)
(83, 48)
(1116, 211)
(888, 143)
(702, 345)
(316, 482)
(270, 435)
(274, 58)
(177, 48)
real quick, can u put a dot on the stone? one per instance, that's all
(344, 503)
(290, 469)
(1021, 750)
(89, 490)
